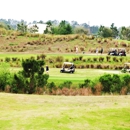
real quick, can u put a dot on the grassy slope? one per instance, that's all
(38, 112)
(51, 42)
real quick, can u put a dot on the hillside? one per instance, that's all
(35, 43)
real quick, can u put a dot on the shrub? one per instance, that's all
(98, 89)
(67, 60)
(87, 66)
(14, 59)
(116, 84)
(126, 81)
(59, 59)
(89, 59)
(101, 59)
(51, 86)
(5, 76)
(7, 59)
(108, 58)
(123, 44)
(80, 58)
(115, 59)
(106, 82)
(121, 59)
(124, 90)
(84, 60)
(99, 66)
(82, 48)
(85, 84)
(95, 59)
(91, 66)
(65, 91)
(49, 49)
(58, 65)
(42, 56)
(75, 59)
(66, 84)
(82, 66)
(41, 79)
(19, 84)
(51, 60)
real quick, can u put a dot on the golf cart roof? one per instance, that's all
(126, 63)
(68, 63)
(117, 48)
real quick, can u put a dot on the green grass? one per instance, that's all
(44, 112)
(11, 55)
(78, 77)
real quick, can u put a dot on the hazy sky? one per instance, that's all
(92, 12)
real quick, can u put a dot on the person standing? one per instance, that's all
(97, 51)
(47, 69)
(101, 50)
(76, 49)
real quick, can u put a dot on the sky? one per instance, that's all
(92, 12)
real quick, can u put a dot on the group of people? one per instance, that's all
(99, 51)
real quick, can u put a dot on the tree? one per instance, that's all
(105, 32)
(48, 28)
(41, 22)
(116, 84)
(125, 33)
(80, 30)
(5, 76)
(33, 70)
(115, 31)
(3, 25)
(106, 81)
(63, 28)
(33, 29)
(49, 23)
(22, 28)
(19, 83)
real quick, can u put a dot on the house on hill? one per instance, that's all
(37, 28)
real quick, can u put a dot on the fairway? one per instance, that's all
(79, 76)
(44, 112)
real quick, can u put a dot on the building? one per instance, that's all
(37, 28)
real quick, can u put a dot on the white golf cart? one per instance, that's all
(68, 67)
(126, 68)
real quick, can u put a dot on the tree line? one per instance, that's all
(64, 28)
(13, 24)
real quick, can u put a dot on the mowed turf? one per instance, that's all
(78, 76)
(44, 112)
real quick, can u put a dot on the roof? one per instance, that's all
(126, 63)
(69, 63)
